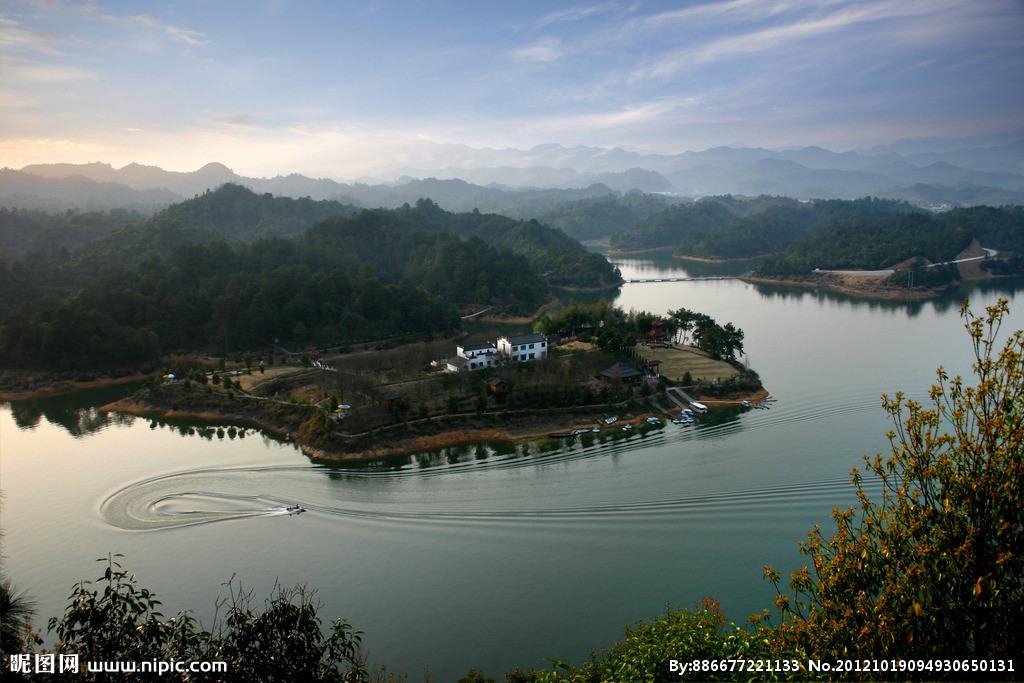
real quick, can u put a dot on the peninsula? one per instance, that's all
(379, 403)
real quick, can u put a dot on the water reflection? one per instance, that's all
(949, 301)
(666, 266)
(76, 413)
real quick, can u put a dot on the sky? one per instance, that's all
(341, 88)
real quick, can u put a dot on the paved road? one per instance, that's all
(989, 253)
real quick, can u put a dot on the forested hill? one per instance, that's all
(237, 215)
(25, 230)
(54, 255)
(344, 280)
(378, 273)
(564, 260)
(231, 213)
(729, 227)
(883, 243)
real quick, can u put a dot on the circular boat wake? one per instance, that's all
(219, 495)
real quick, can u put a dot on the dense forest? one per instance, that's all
(796, 237)
(876, 244)
(563, 260)
(321, 288)
(25, 230)
(370, 275)
(597, 218)
(56, 255)
(731, 228)
(236, 215)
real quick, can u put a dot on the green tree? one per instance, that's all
(451, 404)
(936, 566)
(114, 619)
(15, 614)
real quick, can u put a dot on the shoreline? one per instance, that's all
(66, 386)
(515, 428)
(720, 261)
(868, 287)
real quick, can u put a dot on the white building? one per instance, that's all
(477, 356)
(523, 348)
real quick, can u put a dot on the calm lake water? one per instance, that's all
(486, 558)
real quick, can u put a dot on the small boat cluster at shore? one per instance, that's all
(685, 417)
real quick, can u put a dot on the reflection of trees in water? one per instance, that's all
(76, 421)
(76, 412)
(950, 300)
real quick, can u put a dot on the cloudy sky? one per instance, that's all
(338, 88)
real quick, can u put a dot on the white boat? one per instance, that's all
(294, 509)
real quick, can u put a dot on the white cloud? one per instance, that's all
(185, 35)
(234, 121)
(541, 51)
(26, 72)
(15, 36)
(575, 13)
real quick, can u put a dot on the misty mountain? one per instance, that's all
(139, 177)
(513, 181)
(22, 190)
(512, 178)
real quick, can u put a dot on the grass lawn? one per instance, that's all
(676, 360)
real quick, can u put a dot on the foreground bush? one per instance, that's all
(112, 619)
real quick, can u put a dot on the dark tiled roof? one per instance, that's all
(620, 371)
(532, 338)
(478, 347)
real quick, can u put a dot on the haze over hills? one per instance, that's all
(932, 172)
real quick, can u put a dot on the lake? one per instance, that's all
(491, 557)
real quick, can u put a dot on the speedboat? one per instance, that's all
(294, 509)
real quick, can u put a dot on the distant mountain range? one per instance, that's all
(932, 172)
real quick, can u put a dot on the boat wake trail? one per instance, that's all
(194, 497)
(219, 495)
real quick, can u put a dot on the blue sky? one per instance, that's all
(341, 88)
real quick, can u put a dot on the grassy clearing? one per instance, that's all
(677, 360)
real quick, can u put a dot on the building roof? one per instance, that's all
(620, 371)
(478, 347)
(532, 338)
(458, 362)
